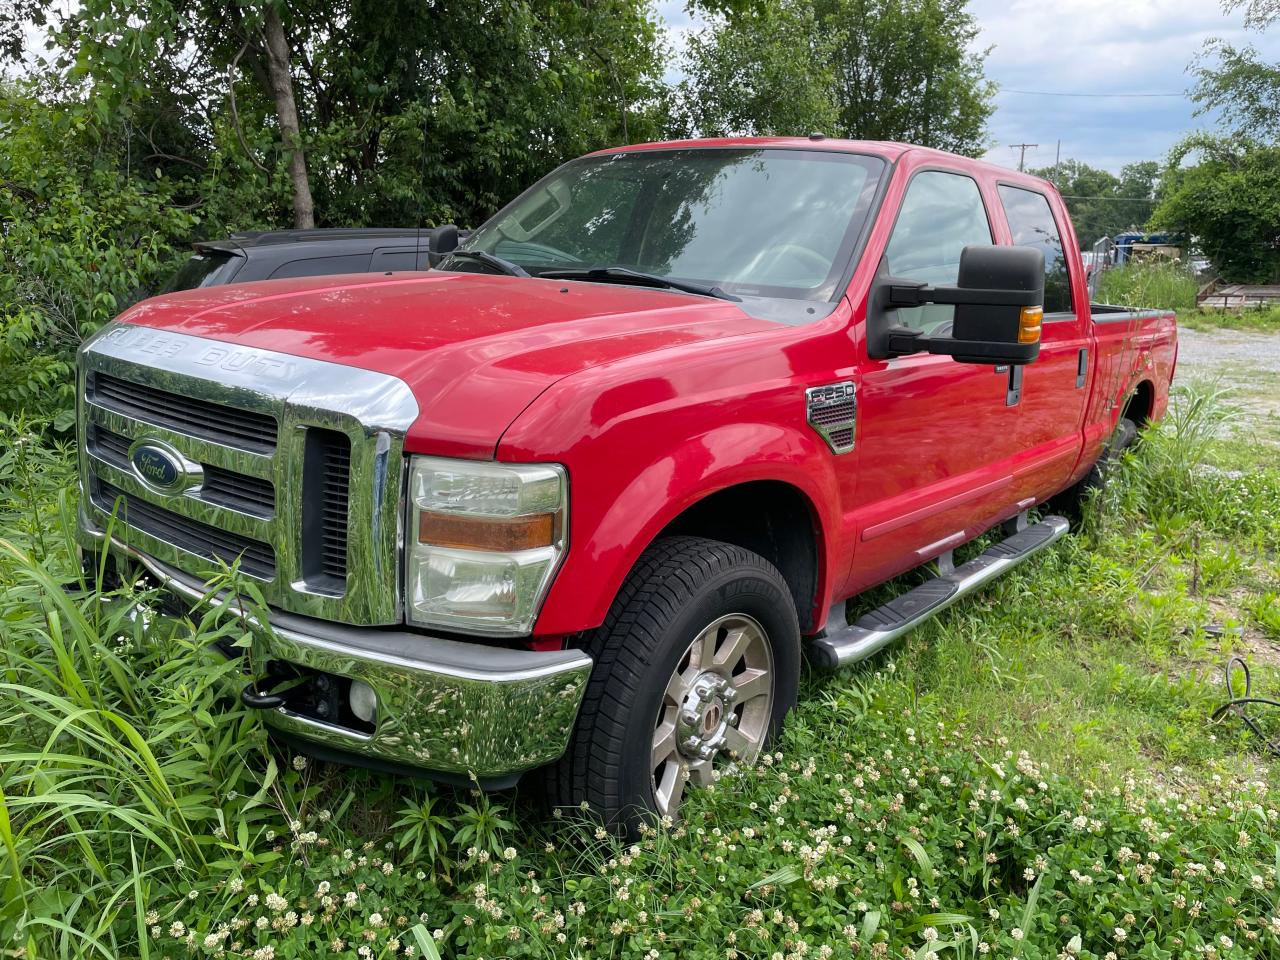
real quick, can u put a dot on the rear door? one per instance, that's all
(936, 438)
(1054, 389)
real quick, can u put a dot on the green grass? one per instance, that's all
(1260, 320)
(1158, 283)
(1027, 775)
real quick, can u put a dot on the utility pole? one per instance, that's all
(1022, 157)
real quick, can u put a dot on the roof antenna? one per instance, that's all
(422, 188)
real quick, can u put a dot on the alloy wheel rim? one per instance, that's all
(715, 710)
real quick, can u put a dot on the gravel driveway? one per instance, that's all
(1247, 362)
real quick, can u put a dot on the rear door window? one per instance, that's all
(941, 214)
(402, 258)
(322, 266)
(1032, 225)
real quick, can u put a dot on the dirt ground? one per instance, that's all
(1248, 363)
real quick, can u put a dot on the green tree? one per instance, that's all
(766, 71)
(79, 241)
(1102, 204)
(336, 107)
(1229, 200)
(866, 69)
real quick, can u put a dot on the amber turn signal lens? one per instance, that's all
(487, 533)
(1029, 324)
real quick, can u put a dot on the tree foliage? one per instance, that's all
(485, 96)
(866, 69)
(1102, 204)
(1236, 83)
(1225, 190)
(1229, 200)
(79, 241)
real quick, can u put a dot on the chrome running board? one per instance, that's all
(843, 643)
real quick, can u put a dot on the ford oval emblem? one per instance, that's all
(159, 467)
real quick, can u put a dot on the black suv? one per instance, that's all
(274, 254)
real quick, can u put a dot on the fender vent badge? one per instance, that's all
(832, 410)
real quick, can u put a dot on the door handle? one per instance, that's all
(1082, 367)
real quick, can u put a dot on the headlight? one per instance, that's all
(484, 541)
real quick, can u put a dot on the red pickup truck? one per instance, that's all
(577, 500)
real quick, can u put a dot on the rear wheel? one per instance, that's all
(695, 667)
(1071, 501)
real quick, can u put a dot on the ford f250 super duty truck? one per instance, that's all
(577, 501)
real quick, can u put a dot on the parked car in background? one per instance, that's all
(279, 254)
(579, 497)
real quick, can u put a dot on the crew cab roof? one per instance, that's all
(887, 149)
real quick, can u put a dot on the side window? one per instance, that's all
(1032, 225)
(323, 266)
(385, 259)
(941, 214)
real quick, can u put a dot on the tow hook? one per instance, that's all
(254, 700)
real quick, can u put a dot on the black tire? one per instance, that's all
(679, 586)
(1071, 501)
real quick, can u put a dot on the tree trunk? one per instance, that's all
(304, 216)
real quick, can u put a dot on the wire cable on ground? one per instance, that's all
(1238, 704)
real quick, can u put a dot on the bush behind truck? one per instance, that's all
(573, 504)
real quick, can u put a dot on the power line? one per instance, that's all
(1055, 93)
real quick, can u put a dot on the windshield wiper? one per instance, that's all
(489, 260)
(627, 275)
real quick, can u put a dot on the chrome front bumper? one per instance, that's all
(462, 710)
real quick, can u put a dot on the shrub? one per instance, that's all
(79, 242)
(1157, 283)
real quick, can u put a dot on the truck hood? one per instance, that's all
(475, 349)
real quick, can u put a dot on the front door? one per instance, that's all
(936, 436)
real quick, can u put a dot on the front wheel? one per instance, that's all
(696, 666)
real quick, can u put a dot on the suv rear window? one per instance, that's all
(205, 269)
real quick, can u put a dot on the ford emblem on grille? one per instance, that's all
(163, 469)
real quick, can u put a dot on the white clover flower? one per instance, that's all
(930, 934)
(299, 762)
(1016, 933)
(177, 928)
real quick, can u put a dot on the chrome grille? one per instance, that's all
(256, 559)
(335, 491)
(325, 507)
(237, 491)
(243, 429)
(321, 532)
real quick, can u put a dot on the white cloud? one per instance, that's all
(1099, 47)
(1083, 46)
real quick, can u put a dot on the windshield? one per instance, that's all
(769, 223)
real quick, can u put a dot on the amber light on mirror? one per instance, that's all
(487, 533)
(1029, 322)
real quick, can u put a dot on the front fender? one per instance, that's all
(616, 511)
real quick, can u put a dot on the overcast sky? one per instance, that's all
(1088, 46)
